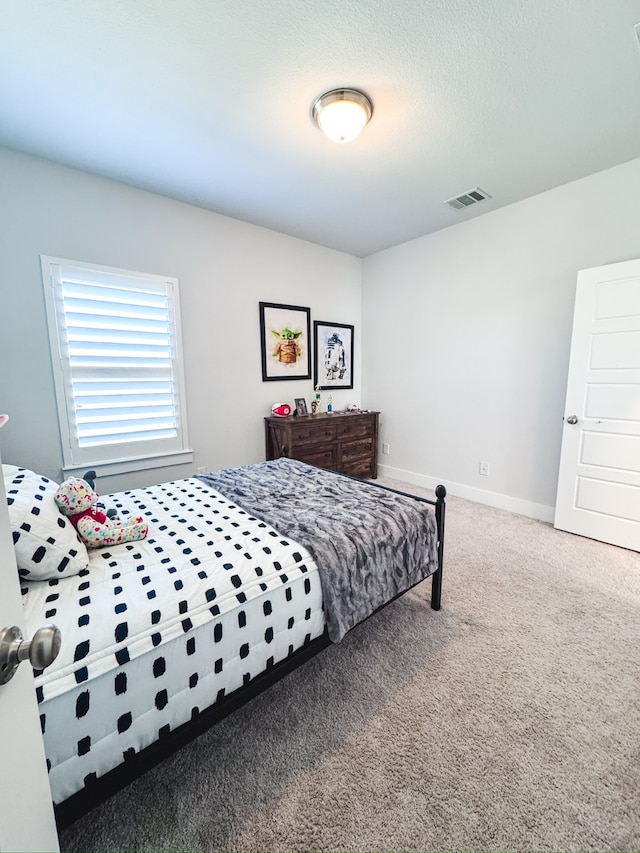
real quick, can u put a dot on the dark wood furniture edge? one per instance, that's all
(105, 786)
(289, 445)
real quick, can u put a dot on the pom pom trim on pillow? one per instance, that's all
(46, 543)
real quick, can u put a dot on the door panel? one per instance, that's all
(608, 450)
(616, 350)
(619, 299)
(615, 499)
(26, 812)
(618, 402)
(599, 478)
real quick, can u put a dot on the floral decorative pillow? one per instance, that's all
(46, 543)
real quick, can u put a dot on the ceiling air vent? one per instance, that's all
(467, 199)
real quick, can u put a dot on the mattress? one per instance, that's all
(157, 630)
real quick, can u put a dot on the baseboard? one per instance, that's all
(482, 496)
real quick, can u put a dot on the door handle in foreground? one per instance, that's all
(41, 651)
(572, 419)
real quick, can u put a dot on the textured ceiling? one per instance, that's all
(208, 101)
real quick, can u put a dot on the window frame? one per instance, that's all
(76, 459)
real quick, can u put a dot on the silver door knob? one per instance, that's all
(41, 651)
(572, 419)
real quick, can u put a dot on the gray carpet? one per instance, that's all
(510, 720)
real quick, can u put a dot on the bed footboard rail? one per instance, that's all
(436, 583)
(440, 508)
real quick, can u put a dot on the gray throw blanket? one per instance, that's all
(369, 544)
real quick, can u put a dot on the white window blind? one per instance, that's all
(118, 363)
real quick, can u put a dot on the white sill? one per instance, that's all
(126, 466)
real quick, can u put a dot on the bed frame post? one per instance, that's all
(436, 582)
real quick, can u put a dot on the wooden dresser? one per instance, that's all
(343, 441)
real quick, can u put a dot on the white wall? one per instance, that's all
(225, 267)
(467, 335)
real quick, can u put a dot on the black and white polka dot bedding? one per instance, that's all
(154, 631)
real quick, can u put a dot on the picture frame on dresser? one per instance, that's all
(285, 341)
(333, 355)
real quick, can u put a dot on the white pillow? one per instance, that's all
(46, 543)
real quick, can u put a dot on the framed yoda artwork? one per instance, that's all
(333, 355)
(285, 332)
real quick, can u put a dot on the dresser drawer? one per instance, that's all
(310, 433)
(353, 449)
(323, 457)
(354, 428)
(362, 468)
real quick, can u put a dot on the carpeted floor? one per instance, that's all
(510, 720)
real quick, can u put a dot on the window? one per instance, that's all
(117, 362)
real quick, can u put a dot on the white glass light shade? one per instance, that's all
(342, 113)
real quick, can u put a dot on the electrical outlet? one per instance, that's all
(201, 470)
(483, 468)
(385, 448)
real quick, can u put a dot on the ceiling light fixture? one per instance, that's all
(341, 114)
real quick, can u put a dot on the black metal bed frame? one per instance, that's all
(98, 790)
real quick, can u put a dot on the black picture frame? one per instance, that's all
(285, 356)
(332, 355)
(301, 406)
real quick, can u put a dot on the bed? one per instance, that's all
(245, 573)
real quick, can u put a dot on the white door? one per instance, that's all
(26, 812)
(599, 480)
